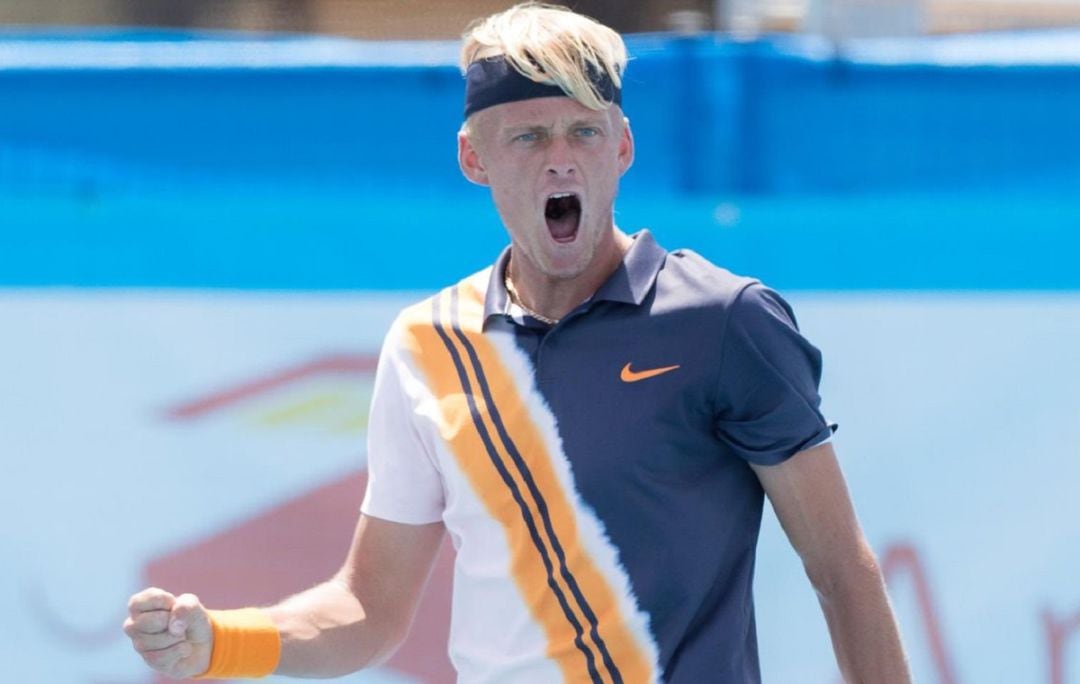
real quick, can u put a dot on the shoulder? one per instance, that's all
(465, 297)
(690, 280)
(718, 301)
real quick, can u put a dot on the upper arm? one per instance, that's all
(387, 567)
(767, 400)
(404, 482)
(769, 411)
(811, 500)
(400, 529)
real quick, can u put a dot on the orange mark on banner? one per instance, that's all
(340, 406)
(527, 566)
(338, 364)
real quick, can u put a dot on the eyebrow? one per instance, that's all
(595, 122)
(577, 123)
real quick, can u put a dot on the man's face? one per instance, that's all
(553, 167)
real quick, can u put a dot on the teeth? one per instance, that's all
(560, 195)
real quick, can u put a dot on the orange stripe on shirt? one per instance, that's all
(560, 599)
(462, 436)
(612, 631)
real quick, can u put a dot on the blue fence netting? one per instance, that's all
(131, 158)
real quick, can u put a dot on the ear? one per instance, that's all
(626, 147)
(469, 161)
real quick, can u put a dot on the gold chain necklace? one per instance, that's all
(516, 299)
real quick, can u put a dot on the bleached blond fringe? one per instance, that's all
(550, 44)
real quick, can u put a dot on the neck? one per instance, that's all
(555, 297)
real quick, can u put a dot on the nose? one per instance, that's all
(560, 161)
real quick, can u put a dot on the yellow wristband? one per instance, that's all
(247, 644)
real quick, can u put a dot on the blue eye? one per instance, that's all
(588, 132)
(527, 137)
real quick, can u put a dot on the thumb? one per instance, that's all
(189, 618)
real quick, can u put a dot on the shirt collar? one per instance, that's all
(629, 284)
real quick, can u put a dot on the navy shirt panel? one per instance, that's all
(663, 459)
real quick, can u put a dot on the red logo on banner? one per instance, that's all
(300, 542)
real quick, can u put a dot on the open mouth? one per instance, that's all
(563, 214)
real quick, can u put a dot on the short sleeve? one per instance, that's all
(404, 485)
(768, 402)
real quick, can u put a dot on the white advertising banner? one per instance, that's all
(213, 442)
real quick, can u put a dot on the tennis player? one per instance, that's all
(594, 420)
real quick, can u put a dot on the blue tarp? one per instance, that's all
(217, 159)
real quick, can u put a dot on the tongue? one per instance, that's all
(563, 215)
(564, 228)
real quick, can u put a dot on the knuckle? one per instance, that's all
(149, 596)
(164, 657)
(143, 624)
(135, 601)
(187, 600)
(156, 622)
(163, 641)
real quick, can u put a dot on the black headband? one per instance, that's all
(494, 81)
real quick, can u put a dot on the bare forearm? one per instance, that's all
(326, 632)
(864, 631)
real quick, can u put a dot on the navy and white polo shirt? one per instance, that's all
(593, 475)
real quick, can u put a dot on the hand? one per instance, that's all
(171, 633)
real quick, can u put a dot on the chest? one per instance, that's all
(630, 401)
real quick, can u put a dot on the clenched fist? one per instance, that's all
(171, 633)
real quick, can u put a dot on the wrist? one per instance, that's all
(247, 644)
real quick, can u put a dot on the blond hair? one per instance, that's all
(550, 44)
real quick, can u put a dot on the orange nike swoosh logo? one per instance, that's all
(628, 375)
